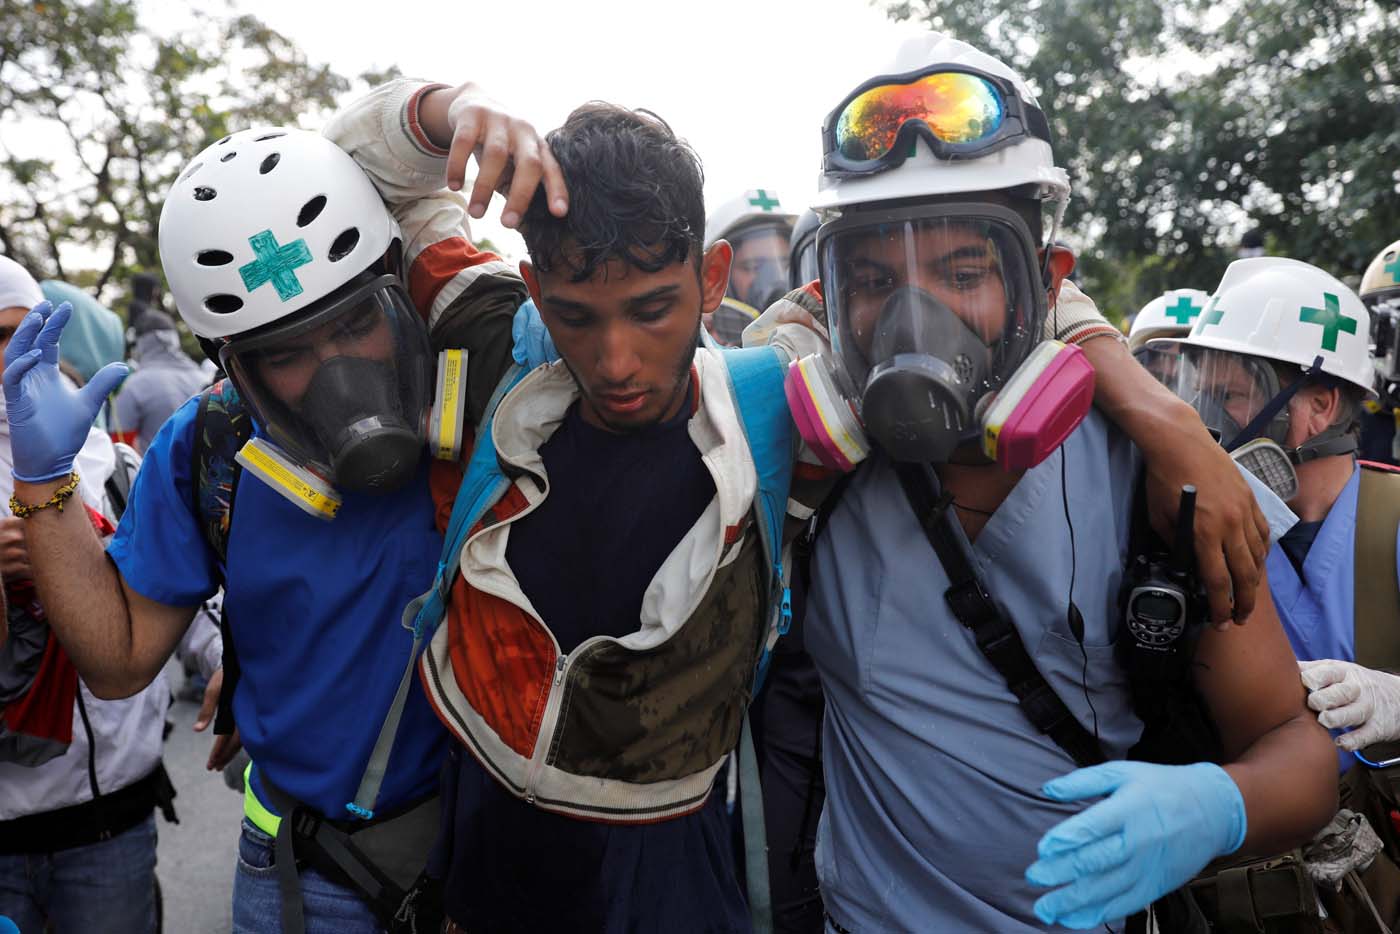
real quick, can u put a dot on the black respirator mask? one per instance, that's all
(932, 309)
(362, 363)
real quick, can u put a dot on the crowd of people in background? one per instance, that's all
(812, 568)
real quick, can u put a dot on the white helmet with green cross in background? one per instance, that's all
(1272, 328)
(758, 227)
(1170, 314)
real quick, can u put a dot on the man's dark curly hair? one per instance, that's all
(635, 194)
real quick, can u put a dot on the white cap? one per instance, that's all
(17, 287)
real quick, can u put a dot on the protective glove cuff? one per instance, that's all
(59, 471)
(1219, 793)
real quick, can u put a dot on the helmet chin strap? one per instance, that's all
(1327, 443)
(1275, 405)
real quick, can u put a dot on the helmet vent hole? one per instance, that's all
(228, 155)
(311, 210)
(267, 136)
(269, 163)
(224, 140)
(214, 258)
(223, 303)
(344, 244)
(191, 170)
(203, 193)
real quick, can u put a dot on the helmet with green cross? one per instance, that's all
(758, 227)
(1381, 282)
(1170, 314)
(1280, 345)
(1288, 311)
(264, 223)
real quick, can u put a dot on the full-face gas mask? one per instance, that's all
(343, 390)
(1243, 402)
(758, 277)
(936, 315)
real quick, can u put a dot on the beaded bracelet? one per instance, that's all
(59, 498)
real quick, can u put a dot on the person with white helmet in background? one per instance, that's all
(1380, 292)
(1170, 314)
(1280, 359)
(964, 598)
(320, 304)
(80, 776)
(757, 227)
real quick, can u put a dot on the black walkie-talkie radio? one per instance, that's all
(1162, 603)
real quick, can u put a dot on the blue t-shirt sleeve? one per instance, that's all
(159, 548)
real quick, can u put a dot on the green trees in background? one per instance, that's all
(100, 107)
(1184, 123)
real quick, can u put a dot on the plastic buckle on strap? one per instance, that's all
(1003, 648)
(970, 603)
(1042, 705)
(305, 823)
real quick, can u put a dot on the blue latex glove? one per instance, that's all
(49, 419)
(1158, 827)
(532, 343)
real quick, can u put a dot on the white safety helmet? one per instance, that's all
(1382, 279)
(757, 206)
(1289, 311)
(1028, 161)
(262, 224)
(1170, 314)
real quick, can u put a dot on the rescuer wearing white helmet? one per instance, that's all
(1380, 292)
(319, 301)
(962, 616)
(758, 227)
(1170, 314)
(1281, 354)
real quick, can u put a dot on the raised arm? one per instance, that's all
(117, 639)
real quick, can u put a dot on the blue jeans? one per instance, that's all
(107, 886)
(327, 907)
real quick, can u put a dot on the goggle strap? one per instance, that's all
(1273, 407)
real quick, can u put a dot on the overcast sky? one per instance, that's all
(747, 82)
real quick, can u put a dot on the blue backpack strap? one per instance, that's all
(756, 377)
(483, 485)
(756, 382)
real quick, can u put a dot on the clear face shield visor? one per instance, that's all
(1164, 363)
(344, 388)
(1228, 390)
(932, 309)
(758, 274)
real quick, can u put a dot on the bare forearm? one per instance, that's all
(1288, 779)
(83, 598)
(432, 112)
(1145, 410)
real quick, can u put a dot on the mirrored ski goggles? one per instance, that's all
(959, 113)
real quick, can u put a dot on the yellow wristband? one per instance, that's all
(59, 498)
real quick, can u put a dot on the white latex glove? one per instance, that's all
(1345, 694)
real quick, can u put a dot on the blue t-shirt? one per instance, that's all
(315, 612)
(618, 504)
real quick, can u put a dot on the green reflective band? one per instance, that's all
(275, 264)
(1183, 311)
(1393, 267)
(764, 201)
(254, 810)
(1331, 319)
